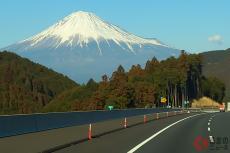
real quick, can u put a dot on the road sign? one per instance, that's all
(110, 107)
(163, 100)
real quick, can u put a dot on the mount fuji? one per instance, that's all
(83, 46)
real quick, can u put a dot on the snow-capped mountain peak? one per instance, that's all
(79, 28)
(84, 46)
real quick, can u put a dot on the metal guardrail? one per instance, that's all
(11, 125)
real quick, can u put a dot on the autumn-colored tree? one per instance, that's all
(136, 73)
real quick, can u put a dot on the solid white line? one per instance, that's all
(159, 132)
(208, 128)
(211, 139)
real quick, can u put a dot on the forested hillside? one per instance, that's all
(217, 64)
(177, 79)
(26, 87)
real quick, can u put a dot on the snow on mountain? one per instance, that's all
(79, 28)
(82, 46)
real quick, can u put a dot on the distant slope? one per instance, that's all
(26, 87)
(217, 64)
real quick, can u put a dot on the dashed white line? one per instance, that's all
(211, 139)
(156, 134)
(210, 119)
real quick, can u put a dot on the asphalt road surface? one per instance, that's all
(188, 133)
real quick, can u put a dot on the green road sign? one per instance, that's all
(110, 107)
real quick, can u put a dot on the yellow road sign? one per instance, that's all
(163, 100)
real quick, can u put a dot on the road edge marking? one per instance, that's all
(159, 132)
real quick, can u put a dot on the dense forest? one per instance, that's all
(177, 79)
(26, 87)
(216, 64)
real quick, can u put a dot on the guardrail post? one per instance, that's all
(174, 112)
(90, 132)
(145, 118)
(125, 123)
(167, 114)
(157, 116)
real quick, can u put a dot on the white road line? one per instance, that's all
(209, 129)
(211, 139)
(159, 132)
(208, 123)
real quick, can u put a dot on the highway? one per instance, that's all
(187, 133)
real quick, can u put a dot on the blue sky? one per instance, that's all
(193, 25)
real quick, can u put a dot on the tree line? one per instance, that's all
(177, 79)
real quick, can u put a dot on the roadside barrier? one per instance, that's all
(11, 125)
(85, 126)
(90, 132)
(157, 116)
(125, 123)
(107, 127)
(154, 116)
(145, 118)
